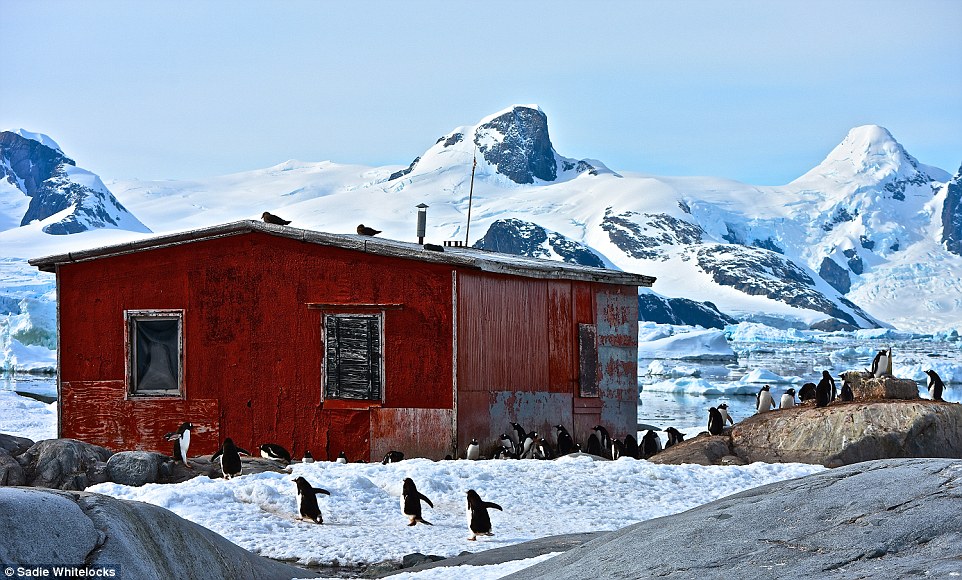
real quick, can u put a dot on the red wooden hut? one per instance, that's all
(332, 343)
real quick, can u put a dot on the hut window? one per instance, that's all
(353, 356)
(155, 352)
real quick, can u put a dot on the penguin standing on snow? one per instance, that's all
(341, 458)
(763, 400)
(935, 385)
(275, 452)
(603, 437)
(411, 500)
(723, 411)
(181, 439)
(650, 444)
(715, 423)
(521, 436)
(594, 446)
(474, 450)
(788, 399)
(308, 458)
(230, 461)
(479, 522)
(392, 457)
(631, 446)
(565, 443)
(307, 501)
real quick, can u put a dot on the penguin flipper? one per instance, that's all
(244, 451)
(319, 490)
(425, 499)
(218, 454)
(492, 505)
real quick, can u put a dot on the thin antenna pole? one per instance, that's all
(467, 230)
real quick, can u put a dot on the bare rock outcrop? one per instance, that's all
(839, 434)
(64, 464)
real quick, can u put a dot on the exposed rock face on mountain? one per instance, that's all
(521, 238)
(649, 235)
(517, 143)
(664, 310)
(137, 540)
(952, 216)
(839, 434)
(55, 184)
(879, 519)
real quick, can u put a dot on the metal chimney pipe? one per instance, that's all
(422, 221)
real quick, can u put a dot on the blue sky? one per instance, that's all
(754, 91)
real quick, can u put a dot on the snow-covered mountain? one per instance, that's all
(38, 183)
(869, 237)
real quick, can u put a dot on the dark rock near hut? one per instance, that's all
(827, 525)
(14, 445)
(136, 539)
(135, 468)
(10, 471)
(64, 464)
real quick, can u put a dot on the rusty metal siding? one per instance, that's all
(617, 324)
(415, 432)
(250, 342)
(562, 363)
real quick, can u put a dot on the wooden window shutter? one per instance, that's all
(353, 357)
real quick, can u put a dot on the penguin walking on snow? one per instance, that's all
(788, 399)
(307, 501)
(715, 423)
(181, 439)
(565, 443)
(935, 385)
(473, 451)
(763, 400)
(479, 522)
(230, 461)
(726, 418)
(411, 500)
(275, 452)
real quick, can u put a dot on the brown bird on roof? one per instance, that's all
(366, 231)
(273, 219)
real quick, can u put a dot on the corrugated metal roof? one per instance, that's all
(456, 256)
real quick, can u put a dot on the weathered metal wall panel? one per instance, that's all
(617, 325)
(414, 432)
(492, 413)
(562, 362)
(251, 342)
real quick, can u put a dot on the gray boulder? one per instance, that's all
(10, 471)
(839, 434)
(137, 540)
(14, 445)
(879, 519)
(135, 468)
(64, 464)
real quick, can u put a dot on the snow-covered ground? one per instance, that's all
(25, 417)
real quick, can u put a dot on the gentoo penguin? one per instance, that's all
(617, 449)
(479, 522)
(474, 451)
(520, 435)
(366, 231)
(504, 453)
(603, 437)
(788, 399)
(230, 461)
(723, 411)
(411, 502)
(565, 444)
(308, 458)
(341, 458)
(846, 393)
(270, 218)
(880, 364)
(506, 442)
(825, 390)
(275, 452)
(935, 385)
(715, 423)
(594, 446)
(674, 437)
(181, 439)
(650, 444)
(392, 457)
(807, 393)
(307, 501)
(764, 401)
(631, 446)
(528, 445)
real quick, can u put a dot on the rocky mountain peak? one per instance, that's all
(516, 141)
